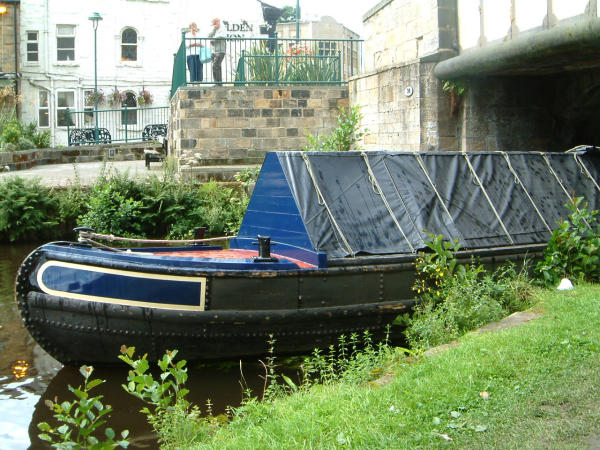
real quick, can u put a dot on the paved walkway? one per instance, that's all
(65, 174)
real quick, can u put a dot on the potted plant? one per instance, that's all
(144, 98)
(89, 98)
(116, 98)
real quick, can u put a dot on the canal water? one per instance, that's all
(29, 376)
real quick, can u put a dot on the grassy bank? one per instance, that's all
(533, 386)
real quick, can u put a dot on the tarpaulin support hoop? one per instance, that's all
(587, 172)
(561, 184)
(424, 169)
(378, 191)
(489, 200)
(512, 170)
(322, 202)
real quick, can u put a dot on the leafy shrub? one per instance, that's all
(14, 135)
(247, 175)
(171, 415)
(453, 298)
(41, 139)
(344, 137)
(12, 131)
(573, 249)
(112, 213)
(27, 209)
(25, 143)
(80, 419)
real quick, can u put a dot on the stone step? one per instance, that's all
(205, 162)
(222, 173)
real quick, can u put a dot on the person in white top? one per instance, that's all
(193, 60)
(218, 49)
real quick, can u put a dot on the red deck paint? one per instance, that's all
(231, 254)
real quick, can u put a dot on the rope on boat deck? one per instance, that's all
(512, 170)
(378, 191)
(86, 236)
(489, 200)
(322, 202)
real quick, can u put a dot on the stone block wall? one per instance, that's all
(7, 35)
(402, 101)
(26, 159)
(231, 125)
(406, 30)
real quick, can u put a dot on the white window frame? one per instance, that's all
(64, 108)
(30, 41)
(130, 44)
(88, 114)
(43, 108)
(64, 36)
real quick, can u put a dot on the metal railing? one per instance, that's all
(116, 125)
(262, 61)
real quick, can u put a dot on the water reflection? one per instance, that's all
(29, 377)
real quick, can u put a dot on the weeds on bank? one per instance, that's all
(454, 298)
(574, 249)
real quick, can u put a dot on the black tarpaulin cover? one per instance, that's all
(382, 202)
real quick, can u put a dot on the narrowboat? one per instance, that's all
(326, 247)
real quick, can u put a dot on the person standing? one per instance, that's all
(218, 49)
(193, 59)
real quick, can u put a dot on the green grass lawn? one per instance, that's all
(536, 385)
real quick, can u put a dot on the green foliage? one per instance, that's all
(289, 15)
(168, 411)
(112, 213)
(80, 419)
(344, 137)
(573, 250)
(121, 205)
(27, 209)
(14, 135)
(299, 63)
(454, 298)
(458, 87)
(247, 176)
(354, 360)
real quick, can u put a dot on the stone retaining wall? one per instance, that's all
(26, 159)
(239, 125)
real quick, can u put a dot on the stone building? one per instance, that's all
(528, 67)
(136, 40)
(9, 44)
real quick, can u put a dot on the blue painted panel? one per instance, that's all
(121, 287)
(273, 210)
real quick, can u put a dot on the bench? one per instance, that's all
(85, 136)
(152, 156)
(151, 132)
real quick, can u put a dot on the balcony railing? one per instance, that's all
(116, 125)
(266, 61)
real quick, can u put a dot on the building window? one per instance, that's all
(88, 101)
(328, 48)
(32, 46)
(128, 116)
(129, 45)
(43, 109)
(65, 42)
(64, 100)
